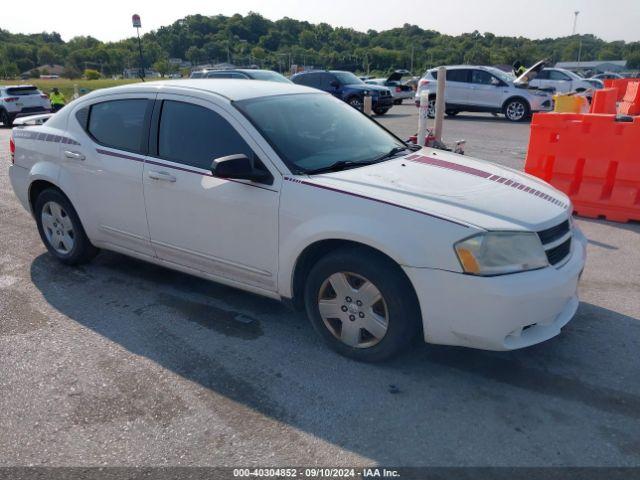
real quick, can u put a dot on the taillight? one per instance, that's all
(423, 82)
(12, 149)
(398, 89)
(11, 99)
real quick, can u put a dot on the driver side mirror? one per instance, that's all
(334, 83)
(240, 167)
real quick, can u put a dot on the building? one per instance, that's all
(46, 71)
(593, 67)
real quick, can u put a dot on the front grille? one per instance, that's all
(554, 233)
(556, 254)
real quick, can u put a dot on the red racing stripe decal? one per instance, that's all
(357, 195)
(436, 162)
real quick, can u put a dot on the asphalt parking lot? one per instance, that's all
(123, 363)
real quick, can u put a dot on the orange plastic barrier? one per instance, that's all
(604, 101)
(630, 104)
(620, 84)
(592, 158)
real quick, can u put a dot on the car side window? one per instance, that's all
(543, 75)
(195, 135)
(458, 75)
(556, 75)
(325, 82)
(481, 77)
(119, 124)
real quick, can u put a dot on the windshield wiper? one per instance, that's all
(344, 164)
(337, 166)
(391, 153)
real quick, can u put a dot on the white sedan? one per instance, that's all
(561, 80)
(287, 192)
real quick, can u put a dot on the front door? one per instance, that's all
(485, 90)
(225, 228)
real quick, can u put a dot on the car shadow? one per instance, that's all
(259, 354)
(461, 117)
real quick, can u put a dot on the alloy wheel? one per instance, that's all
(515, 111)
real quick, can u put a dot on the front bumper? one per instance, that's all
(382, 102)
(541, 104)
(499, 313)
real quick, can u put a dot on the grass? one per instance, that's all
(66, 86)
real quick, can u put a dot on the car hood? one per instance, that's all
(530, 73)
(456, 188)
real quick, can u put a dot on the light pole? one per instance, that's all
(575, 23)
(135, 19)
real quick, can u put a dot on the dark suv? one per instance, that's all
(346, 86)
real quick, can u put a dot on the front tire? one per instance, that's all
(517, 110)
(362, 305)
(61, 230)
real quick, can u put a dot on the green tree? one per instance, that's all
(91, 74)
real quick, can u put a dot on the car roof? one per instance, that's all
(230, 88)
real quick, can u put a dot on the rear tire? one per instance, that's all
(6, 119)
(61, 230)
(369, 309)
(380, 111)
(356, 103)
(451, 113)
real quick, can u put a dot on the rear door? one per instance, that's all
(102, 165)
(225, 228)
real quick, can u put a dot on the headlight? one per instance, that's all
(498, 253)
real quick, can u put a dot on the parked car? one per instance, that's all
(21, 100)
(289, 193)
(393, 82)
(484, 89)
(346, 86)
(560, 80)
(242, 73)
(595, 83)
(607, 76)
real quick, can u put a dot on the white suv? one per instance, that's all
(288, 192)
(561, 81)
(484, 89)
(21, 100)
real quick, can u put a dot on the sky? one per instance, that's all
(607, 19)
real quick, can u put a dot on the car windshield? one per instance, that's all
(504, 76)
(270, 76)
(347, 78)
(314, 131)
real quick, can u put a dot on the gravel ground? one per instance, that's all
(124, 363)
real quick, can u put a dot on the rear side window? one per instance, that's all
(309, 79)
(458, 75)
(119, 124)
(543, 75)
(194, 135)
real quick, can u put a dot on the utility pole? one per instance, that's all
(412, 50)
(135, 19)
(575, 23)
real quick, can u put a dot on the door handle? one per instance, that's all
(74, 155)
(162, 176)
